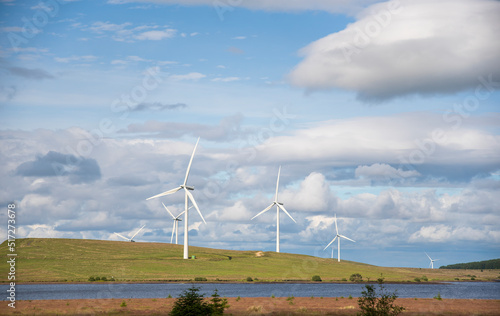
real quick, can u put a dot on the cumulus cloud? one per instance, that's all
(405, 47)
(126, 33)
(77, 169)
(383, 171)
(447, 233)
(156, 35)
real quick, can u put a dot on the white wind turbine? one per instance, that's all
(338, 240)
(279, 206)
(431, 264)
(131, 239)
(187, 197)
(175, 228)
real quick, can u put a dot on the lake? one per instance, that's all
(464, 290)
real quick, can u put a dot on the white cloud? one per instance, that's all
(445, 233)
(313, 195)
(379, 171)
(190, 76)
(226, 79)
(404, 47)
(156, 35)
(239, 37)
(86, 58)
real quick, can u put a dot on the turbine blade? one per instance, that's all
(137, 232)
(168, 211)
(122, 236)
(277, 185)
(165, 193)
(265, 210)
(336, 228)
(173, 231)
(346, 238)
(427, 256)
(283, 209)
(331, 242)
(190, 161)
(191, 198)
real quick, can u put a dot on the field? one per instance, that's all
(75, 260)
(302, 306)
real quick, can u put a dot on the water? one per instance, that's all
(464, 290)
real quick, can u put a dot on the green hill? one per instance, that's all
(75, 260)
(488, 264)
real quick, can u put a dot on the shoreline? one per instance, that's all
(244, 282)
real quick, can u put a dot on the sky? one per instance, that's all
(385, 114)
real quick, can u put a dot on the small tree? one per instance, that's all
(372, 305)
(355, 277)
(190, 303)
(218, 304)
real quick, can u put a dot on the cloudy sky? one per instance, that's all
(384, 113)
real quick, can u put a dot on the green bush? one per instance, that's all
(249, 279)
(97, 278)
(123, 304)
(200, 279)
(417, 279)
(424, 278)
(104, 279)
(218, 304)
(316, 278)
(356, 277)
(371, 304)
(91, 279)
(438, 297)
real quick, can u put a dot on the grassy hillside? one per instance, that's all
(75, 260)
(488, 264)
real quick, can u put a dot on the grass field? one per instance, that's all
(75, 260)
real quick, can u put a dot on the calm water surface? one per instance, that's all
(468, 290)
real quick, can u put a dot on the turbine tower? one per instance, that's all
(337, 236)
(279, 206)
(175, 228)
(188, 196)
(130, 239)
(431, 264)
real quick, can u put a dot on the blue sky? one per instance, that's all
(384, 113)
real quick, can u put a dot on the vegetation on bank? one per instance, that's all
(478, 265)
(80, 260)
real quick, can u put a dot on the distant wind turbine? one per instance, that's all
(431, 264)
(175, 228)
(279, 206)
(187, 197)
(337, 236)
(131, 239)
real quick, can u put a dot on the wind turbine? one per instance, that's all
(131, 239)
(279, 206)
(431, 265)
(338, 236)
(187, 197)
(175, 228)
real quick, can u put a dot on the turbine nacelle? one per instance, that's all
(187, 187)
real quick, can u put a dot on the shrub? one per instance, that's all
(472, 278)
(417, 279)
(290, 299)
(249, 279)
(355, 277)
(424, 278)
(272, 296)
(371, 304)
(344, 279)
(104, 279)
(438, 297)
(97, 278)
(238, 298)
(200, 279)
(123, 304)
(350, 297)
(316, 278)
(91, 279)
